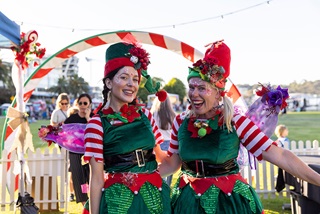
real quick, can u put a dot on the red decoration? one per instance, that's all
(142, 57)
(28, 47)
(130, 112)
(107, 111)
(194, 130)
(162, 95)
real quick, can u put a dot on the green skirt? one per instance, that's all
(120, 199)
(242, 200)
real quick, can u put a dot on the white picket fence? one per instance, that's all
(49, 176)
(263, 179)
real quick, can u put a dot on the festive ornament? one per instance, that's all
(202, 132)
(162, 95)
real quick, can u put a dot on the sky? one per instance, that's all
(273, 42)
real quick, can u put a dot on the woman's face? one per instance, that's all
(203, 97)
(64, 105)
(124, 86)
(83, 104)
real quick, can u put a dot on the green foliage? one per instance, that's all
(176, 86)
(302, 125)
(143, 92)
(73, 85)
(8, 89)
(311, 87)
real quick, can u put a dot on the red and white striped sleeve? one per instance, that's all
(93, 138)
(157, 134)
(174, 144)
(251, 136)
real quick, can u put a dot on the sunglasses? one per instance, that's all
(64, 104)
(84, 103)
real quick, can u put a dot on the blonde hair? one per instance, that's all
(228, 112)
(62, 96)
(73, 110)
(279, 130)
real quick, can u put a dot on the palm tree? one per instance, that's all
(61, 87)
(77, 85)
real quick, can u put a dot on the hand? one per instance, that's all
(88, 112)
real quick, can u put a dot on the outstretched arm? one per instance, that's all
(291, 163)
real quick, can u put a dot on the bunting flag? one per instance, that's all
(165, 42)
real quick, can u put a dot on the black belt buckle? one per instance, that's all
(200, 170)
(140, 158)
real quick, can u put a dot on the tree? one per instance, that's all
(77, 85)
(176, 86)
(74, 85)
(143, 92)
(61, 87)
(7, 90)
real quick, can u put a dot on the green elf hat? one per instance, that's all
(214, 67)
(124, 54)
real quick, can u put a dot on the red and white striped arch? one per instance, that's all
(57, 59)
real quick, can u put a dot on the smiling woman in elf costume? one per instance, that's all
(121, 138)
(206, 138)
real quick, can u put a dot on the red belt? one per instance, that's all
(200, 185)
(134, 181)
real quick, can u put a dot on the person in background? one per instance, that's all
(205, 144)
(122, 138)
(74, 108)
(164, 115)
(80, 172)
(59, 115)
(281, 132)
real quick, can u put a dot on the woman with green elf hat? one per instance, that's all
(122, 140)
(205, 142)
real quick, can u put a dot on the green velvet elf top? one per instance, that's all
(216, 194)
(132, 192)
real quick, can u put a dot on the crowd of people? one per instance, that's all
(132, 152)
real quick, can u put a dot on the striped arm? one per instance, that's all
(93, 139)
(174, 145)
(157, 134)
(251, 136)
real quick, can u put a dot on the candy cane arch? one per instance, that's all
(57, 59)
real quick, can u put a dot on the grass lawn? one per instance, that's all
(302, 126)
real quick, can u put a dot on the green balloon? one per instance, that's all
(202, 132)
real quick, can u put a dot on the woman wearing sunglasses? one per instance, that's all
(59, 115)
(121, 139)
(79, 172)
